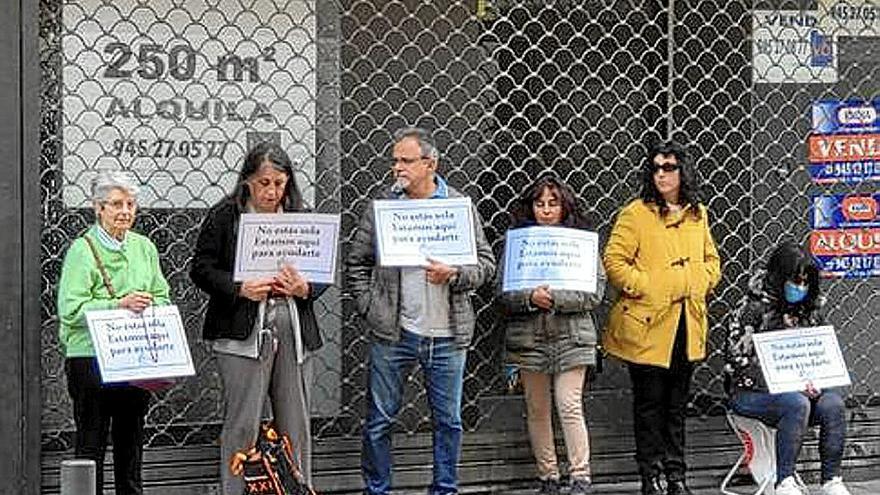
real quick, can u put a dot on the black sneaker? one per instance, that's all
(677, 487)
(651, 485)
(581, 487)
(549, 487)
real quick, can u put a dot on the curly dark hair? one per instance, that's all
(689, 191)
(524, 213)
(786, 262)
(274, 154)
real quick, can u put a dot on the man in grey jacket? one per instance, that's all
(415, 315)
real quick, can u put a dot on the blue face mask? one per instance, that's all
(795, 293)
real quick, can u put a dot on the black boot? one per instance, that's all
(651, 485)
(677, 487)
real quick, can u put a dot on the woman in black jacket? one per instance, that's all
(785, 295)
(262, 331)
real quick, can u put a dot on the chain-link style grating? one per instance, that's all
(512, 90)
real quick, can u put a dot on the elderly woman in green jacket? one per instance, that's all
(108, 267)
(551, 338)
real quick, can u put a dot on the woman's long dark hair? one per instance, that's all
(688, 193)
(787, 262)
(274, 154)
(524, 213)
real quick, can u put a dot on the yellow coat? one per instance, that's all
(658, 264)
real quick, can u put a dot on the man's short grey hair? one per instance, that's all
(426, 142)
(105, 182)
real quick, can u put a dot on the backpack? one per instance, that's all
(270, 467)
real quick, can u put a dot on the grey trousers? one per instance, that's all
(246, 383)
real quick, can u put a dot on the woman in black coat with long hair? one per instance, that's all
(262, 331)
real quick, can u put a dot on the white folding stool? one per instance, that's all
(759, 454)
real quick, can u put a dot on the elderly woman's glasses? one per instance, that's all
(118, 204)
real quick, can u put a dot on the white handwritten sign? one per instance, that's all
(143, 346)
(564, 259)
(411, 231)
(790, 359)
(306, 241)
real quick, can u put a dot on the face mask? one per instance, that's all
(795, 293)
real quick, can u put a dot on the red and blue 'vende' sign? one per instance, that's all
(846, 234)
(845, 143)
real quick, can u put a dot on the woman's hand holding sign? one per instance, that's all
(257, 289)
(290, 283)
(542, 298)
(287, 283)
(812, 391)
(136, 301)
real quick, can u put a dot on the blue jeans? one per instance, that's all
(442, 363)
(791, 414)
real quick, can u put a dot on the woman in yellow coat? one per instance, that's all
(662, 258)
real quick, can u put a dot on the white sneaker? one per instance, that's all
(835, 487)
(800, 483)
(789, 486)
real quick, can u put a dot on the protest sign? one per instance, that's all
(131, 346)
(306, 241)
(412, 232)
(564, 259)
(791, 359)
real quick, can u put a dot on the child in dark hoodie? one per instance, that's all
(784, 296)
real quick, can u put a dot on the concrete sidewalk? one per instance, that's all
(632, 488)
(628, 488)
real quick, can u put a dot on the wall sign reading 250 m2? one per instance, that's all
(174, 92)
(155, 63)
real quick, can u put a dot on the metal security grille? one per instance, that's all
(512, 90)
(204, 80)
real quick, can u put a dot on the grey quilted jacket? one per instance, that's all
(551, 341)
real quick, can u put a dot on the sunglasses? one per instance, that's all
(667, 167)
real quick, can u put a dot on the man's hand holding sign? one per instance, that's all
(438, 272)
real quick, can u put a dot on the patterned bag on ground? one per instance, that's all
(270, 467)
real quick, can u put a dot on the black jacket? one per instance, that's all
(230, 316)
(759, 312)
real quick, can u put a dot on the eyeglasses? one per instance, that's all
(118, 204)
(667, 167)
(406, 161)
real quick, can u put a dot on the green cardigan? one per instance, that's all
(134, 268)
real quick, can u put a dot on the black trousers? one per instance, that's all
(660, 398)
(98, 408)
